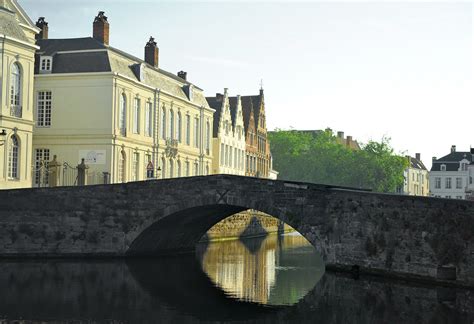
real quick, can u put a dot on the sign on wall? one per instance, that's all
(92, 156)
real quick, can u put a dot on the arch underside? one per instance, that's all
(180, 231)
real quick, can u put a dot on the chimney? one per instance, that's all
(101, 28)
(418, 156)
(340, 135)
(219, 96)
(43, 25)
(349, 140)
(151, 52)
(183, 75)
(433, 159)
(453, 148)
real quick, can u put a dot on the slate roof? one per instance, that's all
(416, 164)
(97, 57)
(233, 110)
(9, 25)
(216, 104)
(452, 161)
(247, 110)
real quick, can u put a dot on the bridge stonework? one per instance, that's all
(399, 235)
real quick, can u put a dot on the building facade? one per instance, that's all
(17, 50)
(228, 135)
(416, 178)
(127, 118)
(449, 175)
(257, 146)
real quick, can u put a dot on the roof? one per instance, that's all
(452, 161)
(89, 55)
(9, 25)
(216, 104)
(416, 164)
(233, 110)
(247, 110)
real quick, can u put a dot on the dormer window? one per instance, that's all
(443, 167)
(46, 64)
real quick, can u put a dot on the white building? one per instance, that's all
(449, 175)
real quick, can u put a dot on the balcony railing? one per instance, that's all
(16, 111)
(171, 149)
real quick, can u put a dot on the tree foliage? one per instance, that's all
(320, 158)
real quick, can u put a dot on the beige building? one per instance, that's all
(123, 115)
(416, 178)
(17, 48)
(228, 135)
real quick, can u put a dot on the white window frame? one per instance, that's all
(46, 64)
(44, 104)
(136, 115)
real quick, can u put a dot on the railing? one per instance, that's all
(16, 111)
(69, 175)
(40, 175)
(171, 149)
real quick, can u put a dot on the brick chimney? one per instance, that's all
(340, 135)
(101, 28)
(453, 148)
(151, 52)
(418, 156)
(183, 75)
(43, 25)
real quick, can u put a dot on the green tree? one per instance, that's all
(320, 158)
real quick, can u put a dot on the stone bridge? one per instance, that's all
(409, 237)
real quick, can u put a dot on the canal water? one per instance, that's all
(272, 279)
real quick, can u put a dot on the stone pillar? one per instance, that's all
(82, 173)
(54, 170)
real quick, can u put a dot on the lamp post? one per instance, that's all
(3, 137)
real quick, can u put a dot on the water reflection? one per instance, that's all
(270, 270)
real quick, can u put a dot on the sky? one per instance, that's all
(371, 69)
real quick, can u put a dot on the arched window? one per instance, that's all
(121, 167)
(178, 128)
(123, 114)
(163, 122)
(163, 168)
(171, 128)
(15, 91)
(13, 158)
(171, 168)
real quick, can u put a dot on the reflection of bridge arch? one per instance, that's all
(388, 233)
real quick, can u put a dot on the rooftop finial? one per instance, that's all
(261, 84)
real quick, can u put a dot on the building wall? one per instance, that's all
(13, 51)
(416, 182)
(453, 192)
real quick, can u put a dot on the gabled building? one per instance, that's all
(17, 52)
(449, 175)
(228, 135)
(257, 145)
(416, 178)
(120, 113)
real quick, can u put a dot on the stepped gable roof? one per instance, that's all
(89, 55)
(416, 164)
(216, 104)
(9, 25)
(451, 161)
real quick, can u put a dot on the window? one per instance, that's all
(136, 116)
(443, 167)
(178, 128)
(470, 180)
(459, 197)
(15, 91)
(464, 166)
(41, 160)
(437, 183)
(196, 132)
(43, 109)
(187, 168)
(230, 156)
(188, 130)
(448, 197)
(196, 167)
(149, 119)
(235, 158)
(135, 166)
(171, 133)
(171, 168)
(45, 64)
(226, 162)
(121, 167)
(208, 137)
(448, 183)
(123, 115)
(458, 183)
(145, 166)
(13, 158)
(222, 153)
(163, 123)
(163, 168)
